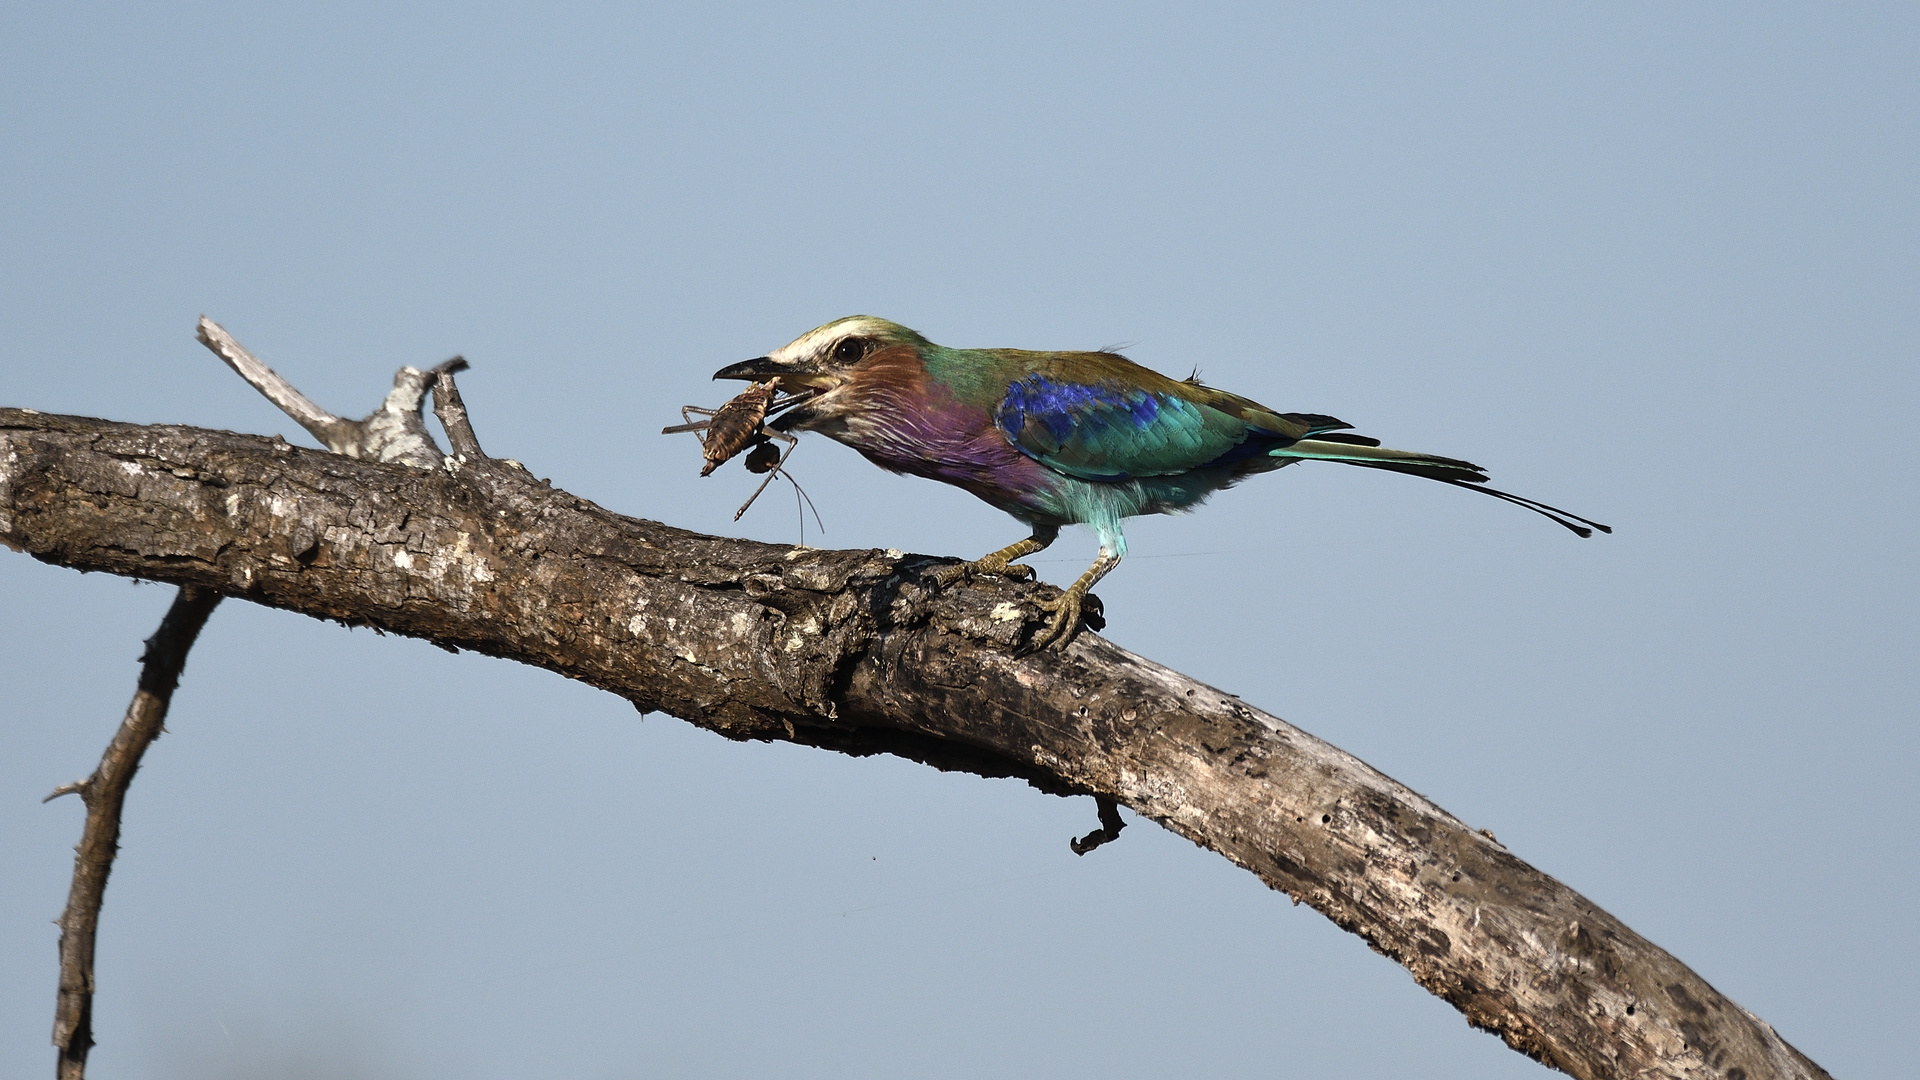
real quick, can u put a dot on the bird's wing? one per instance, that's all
(1116, 428)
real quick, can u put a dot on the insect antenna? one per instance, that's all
(800, 493)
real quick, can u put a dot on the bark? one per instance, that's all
(853, 651)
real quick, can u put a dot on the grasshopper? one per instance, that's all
(741, 425)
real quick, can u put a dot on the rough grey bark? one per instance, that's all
(851, 651)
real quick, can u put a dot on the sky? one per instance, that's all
(1655, 263)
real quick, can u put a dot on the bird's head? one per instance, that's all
(820, 362)
(820, 359)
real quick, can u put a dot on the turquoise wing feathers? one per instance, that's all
(1120, 428)
(1108, 434)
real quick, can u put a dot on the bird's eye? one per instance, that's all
(851, 350)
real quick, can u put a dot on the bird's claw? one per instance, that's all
(1072, 610)
(1060, 630)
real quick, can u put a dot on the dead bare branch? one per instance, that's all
(393, 432)
(852, 651)
(105, 793)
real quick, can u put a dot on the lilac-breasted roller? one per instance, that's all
(1058, 438)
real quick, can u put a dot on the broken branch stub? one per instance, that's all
(395, 431)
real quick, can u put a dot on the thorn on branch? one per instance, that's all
(1109, 830)
(77, 787)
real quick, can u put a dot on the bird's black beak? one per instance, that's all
(791, 378)
(760, 367)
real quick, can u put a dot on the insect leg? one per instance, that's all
(687, 413)
(764, 434)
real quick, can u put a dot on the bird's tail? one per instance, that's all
(1368, 453)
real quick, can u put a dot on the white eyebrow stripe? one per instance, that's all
(817, 341)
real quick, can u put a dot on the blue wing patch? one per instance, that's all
(1107, 433)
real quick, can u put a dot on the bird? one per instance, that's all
(1059, 438)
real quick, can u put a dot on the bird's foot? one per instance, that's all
(1072, 610)
(954, 573)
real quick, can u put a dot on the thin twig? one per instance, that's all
(105, 792)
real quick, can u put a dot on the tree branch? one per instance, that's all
(854, 651)
(105, 792)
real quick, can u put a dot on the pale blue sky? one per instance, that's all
(1654, 263)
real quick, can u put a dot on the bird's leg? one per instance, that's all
(1000, 562)
(1068, 607)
